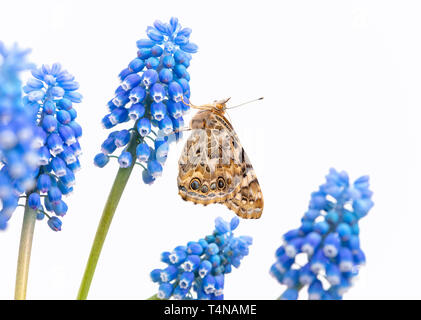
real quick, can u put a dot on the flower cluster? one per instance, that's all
(152, 93)
(18, 135)
(50, 96)
(197, 270)
(327, 242)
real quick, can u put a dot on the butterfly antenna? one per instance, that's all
(189, 104)
(242, 104)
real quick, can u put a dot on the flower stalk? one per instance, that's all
(116, 192)
(25, 249)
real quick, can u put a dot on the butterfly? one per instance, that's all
(213, 166)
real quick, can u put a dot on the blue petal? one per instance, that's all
(154, 34)
(160, 26)
(145, 43)
(190, 47)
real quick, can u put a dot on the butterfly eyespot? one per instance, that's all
(195, 184)
(221, 183)
(244, 201)
(182, 188)
(213, 186)
(204, 189)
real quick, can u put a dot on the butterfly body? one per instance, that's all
(214, 167)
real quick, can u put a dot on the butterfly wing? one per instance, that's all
(214, 168)
(247, 202)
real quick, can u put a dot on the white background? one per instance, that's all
(341, 82)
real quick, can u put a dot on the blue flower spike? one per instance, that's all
(328, 240)
(51, 95)
(155, 80)
(197, 270)
(20, 139)
(39, 147)
(150, 94)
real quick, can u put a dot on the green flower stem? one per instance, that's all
(25, 248)
(117, 189)
(154, 297)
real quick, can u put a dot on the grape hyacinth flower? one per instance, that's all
(50, 96)
(38, 147)
(197, 270)
(327, 241)
(150, 96)
(150, 101)
(18, 135)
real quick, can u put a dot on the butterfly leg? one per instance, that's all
(176, 133)
(182, 130)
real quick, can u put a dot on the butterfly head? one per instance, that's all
(220, 105)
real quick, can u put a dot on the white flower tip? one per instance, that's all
(290, 251)
(161, 295)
